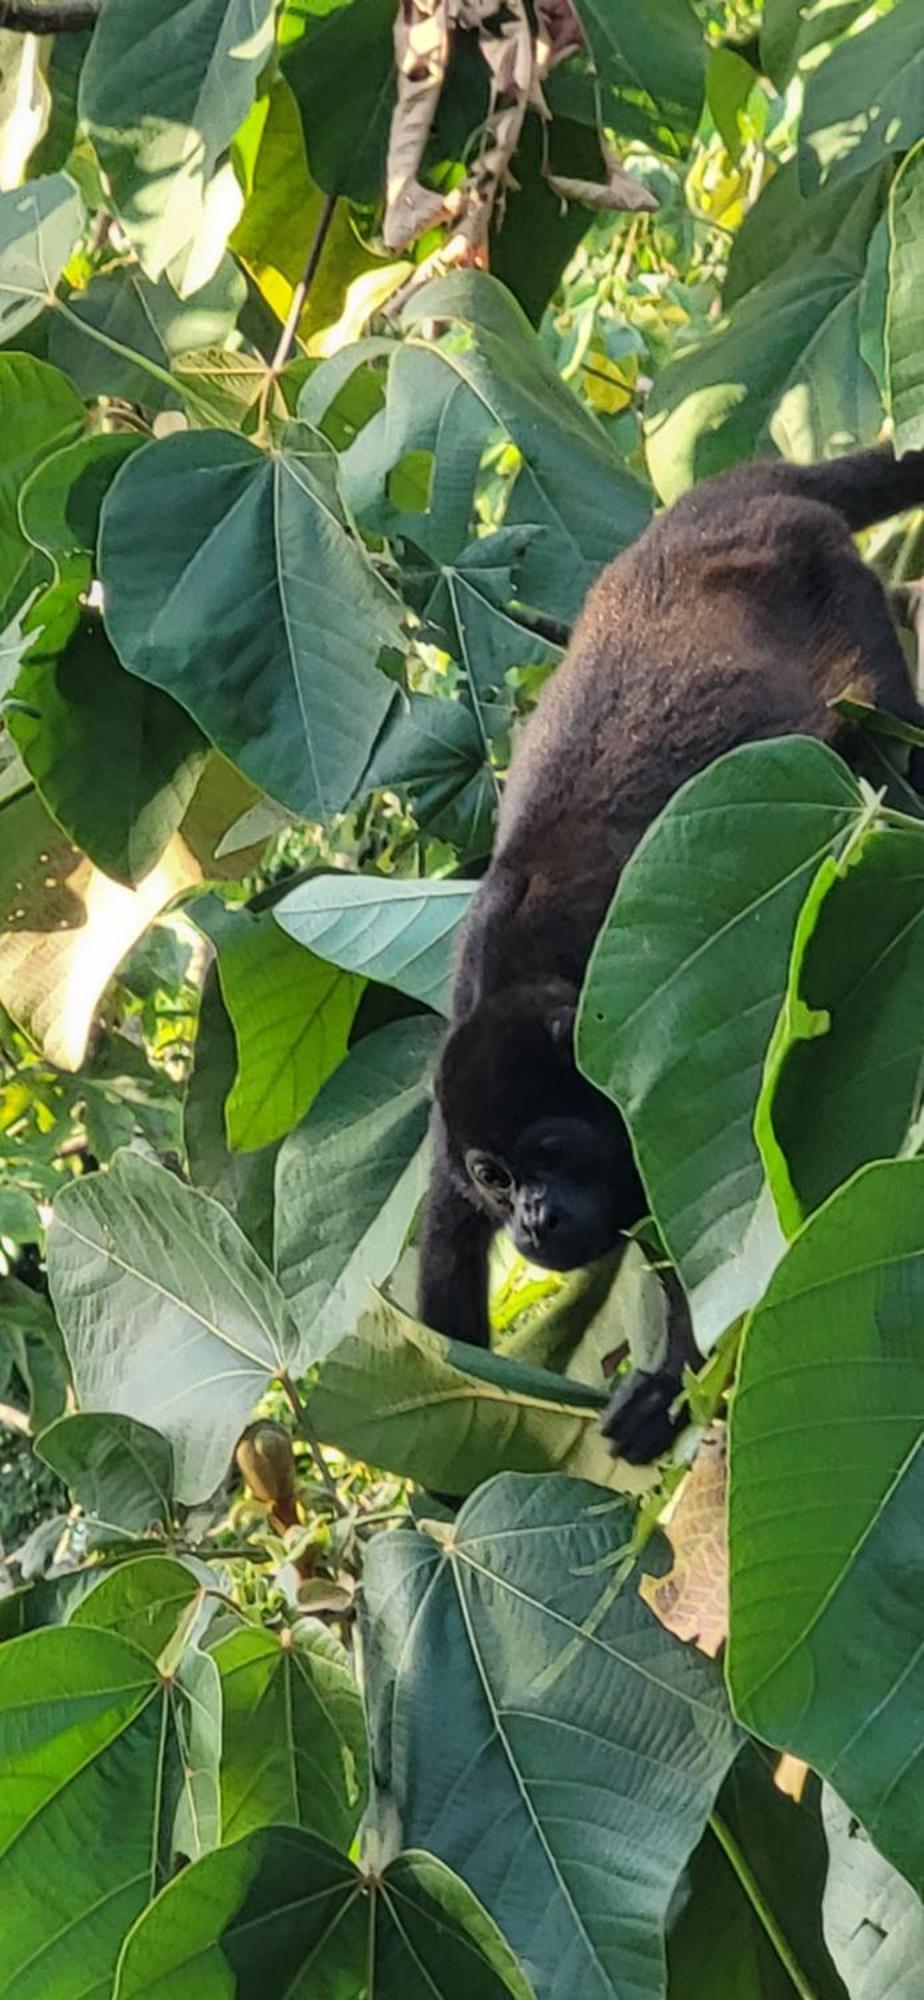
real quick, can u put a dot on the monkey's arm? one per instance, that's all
(453, 1285)
(638, 1422)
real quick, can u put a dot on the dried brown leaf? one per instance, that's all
(422, 39)
(692, 1599)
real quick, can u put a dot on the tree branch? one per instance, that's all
(300, 294)
(58, 17)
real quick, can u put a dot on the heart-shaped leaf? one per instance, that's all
(117, 1468)
(400, 932)
(86, 1745)
(848, 1037)
(571, 481)
(39, 227)
(832, 1376)
(281, 674)
(282, 1911)
(168, 1314)
(39, 412)
(349, 1179)
(512, 1641)
(163, 89)
(291, 1015)
(683, 990)
(294, 1744)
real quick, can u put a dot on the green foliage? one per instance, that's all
(293, 526)
(843, 1306)
(542, 1690)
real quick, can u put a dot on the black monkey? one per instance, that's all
(741, 613)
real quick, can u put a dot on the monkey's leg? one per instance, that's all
(453, 1285)
(639, 1424)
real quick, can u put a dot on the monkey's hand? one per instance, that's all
(639, 1424)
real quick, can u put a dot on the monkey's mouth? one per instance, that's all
(567, 1249)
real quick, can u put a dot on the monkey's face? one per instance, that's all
(539, 1151)
(554, 1192)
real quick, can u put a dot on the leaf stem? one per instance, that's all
(286, 340)
(761, 1907)
(306, 1431)
(132, 354)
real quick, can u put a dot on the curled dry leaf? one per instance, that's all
(692, 1599)
(422, 38)
(517, 60)
(620, 190)
(558, 34)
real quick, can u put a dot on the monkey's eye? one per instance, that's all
(489, 1174)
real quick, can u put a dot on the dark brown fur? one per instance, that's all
(741, 613)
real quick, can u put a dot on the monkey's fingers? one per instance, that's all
(639, 1424)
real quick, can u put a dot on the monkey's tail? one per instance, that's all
(863, 487)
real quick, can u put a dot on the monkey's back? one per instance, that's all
(738, 615)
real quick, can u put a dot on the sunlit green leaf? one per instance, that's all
(167, 1312)
(294, 1748)
(280, 673)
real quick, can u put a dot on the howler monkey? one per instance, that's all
(741, 613)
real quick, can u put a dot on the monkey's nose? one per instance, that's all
(538, 1219)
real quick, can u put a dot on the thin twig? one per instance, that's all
(306, 1431)
(286, 340)
(31, 17)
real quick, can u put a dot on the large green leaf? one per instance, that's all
(146, 318)
(435, 753)
(787, 228)
(450, 1416)
(77, 703)
(784, 371)
(874, 1922)
(843, 1077)
(278, 667)
(904, 312)
(281, 1911)
(294, 1743)
(683, 990)
(346, 133)
(825, 1653)
(571, 481)
(788, 31)
(580, 1746)
(82, 1806)
(350, 1177)
(866, 101)
(39, 227)
(397, 930)
(145, 1601)
(291, 1015)
(242, 1182)
(652, 46)
(167, 1312)
(39, 412)
(164, 87)
(80, 710)
(117, 1468)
